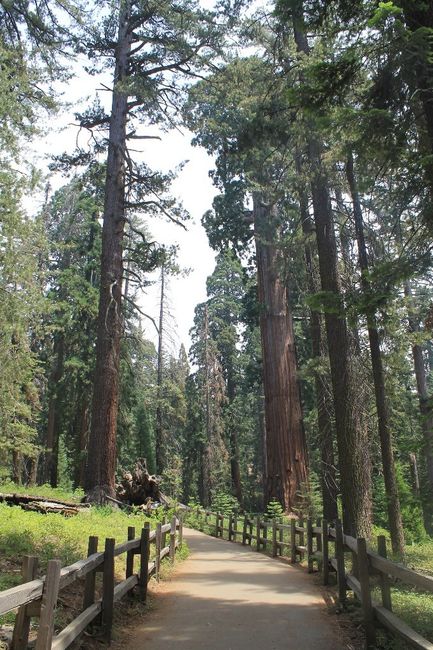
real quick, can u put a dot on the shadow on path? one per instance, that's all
(227, 597)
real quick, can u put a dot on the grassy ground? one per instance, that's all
(410, 604)
(53, 536)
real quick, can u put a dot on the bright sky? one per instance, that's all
(193, 187)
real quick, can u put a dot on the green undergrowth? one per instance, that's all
(49, 536)
(66, 538)
(413, 606)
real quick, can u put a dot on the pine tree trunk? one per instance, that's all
(81, 435)
(33, 471)
(419, 18)
(352, 436)
(287, 465)
(261, 417)
(17, 467)
(101, 461)
(234, 444)
(206, 458)
(328, 475)
(426, 410)
(53, 423)
(385, 435)
(159, 442)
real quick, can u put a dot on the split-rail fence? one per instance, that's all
(327, 545)
(38, 597)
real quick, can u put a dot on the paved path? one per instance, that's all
(227, 597)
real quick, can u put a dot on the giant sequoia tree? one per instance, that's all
(222, 115)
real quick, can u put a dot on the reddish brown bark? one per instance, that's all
(101, 462)
(287, 467)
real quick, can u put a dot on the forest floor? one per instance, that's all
(230, 597)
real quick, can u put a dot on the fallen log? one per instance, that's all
(42, 504)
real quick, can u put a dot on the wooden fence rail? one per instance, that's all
(329, 547)
(38, 597)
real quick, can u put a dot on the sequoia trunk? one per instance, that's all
(287, 470)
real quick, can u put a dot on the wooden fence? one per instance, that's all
(38, 597)
(328, 546)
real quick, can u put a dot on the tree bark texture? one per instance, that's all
(159, 442)
(352, 436)
(235, 470)
(419, 20)
(206, 456)
(101, 462)
(287, 464)
(328, 474)
(426, 410)
(81, 435)
(385, 434)
(53, 423)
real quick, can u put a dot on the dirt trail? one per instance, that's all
(227, 597)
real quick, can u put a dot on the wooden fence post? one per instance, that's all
(48, 605)
(222, 525)
(258, 526)
(180, 530)
(385, 585)
(362, 565)
(21, 631)
(325, 552)
(274, 537)
(144, 561)
(173, 538)
(265, 536)
(293, 541)
(301, 535)
(281, 536)
(250, 527)
(89, 585)
(108, 588)
(130, 554)
(244, 531)
(230, 527)
(319, 545)
(310, 560)
(158, 541)
(164, 535)
(216, 523)
(339, 553)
